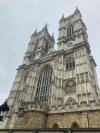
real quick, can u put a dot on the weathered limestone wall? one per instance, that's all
(86, 119)
(94, 119)
(31, 120)
(64, 120)
(89, 119)
(0, 124)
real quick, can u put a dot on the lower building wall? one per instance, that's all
(31, 120)
(90, 119)
(64, 120)
(86, 119)
(94, 119)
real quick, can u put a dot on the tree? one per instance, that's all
(3, 108)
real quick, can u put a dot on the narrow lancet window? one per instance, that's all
(70, 64)
(70, 30)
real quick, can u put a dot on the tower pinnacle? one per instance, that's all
(35, 32)
(77, 10)
(62, 18)
(45, 27)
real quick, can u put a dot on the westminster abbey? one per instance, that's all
(56, 88)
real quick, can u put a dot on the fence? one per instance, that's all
(53, 130)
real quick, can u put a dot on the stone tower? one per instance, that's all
(56, 88)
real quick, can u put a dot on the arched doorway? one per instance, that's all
(55, 125)
(74, 125)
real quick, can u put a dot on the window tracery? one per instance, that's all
(43, 85)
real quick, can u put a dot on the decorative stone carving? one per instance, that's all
(70, 87)
(45, 107)
(70, 101)
(69, 38)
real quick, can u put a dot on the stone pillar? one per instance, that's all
(85, 120)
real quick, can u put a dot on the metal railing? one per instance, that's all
(52, 130)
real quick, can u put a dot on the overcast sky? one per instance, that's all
(18, 20)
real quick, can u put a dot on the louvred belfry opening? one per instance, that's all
(43, 85)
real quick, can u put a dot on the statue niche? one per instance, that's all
(45, 47)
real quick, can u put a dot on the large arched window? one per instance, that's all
(43, 85)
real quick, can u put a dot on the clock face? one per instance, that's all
(70, 44)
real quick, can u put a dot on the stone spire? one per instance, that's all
(35, 32)
(53, 38)
(77, 11)
(45, 27)
(62, 18)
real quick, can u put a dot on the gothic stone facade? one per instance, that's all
(56, 88)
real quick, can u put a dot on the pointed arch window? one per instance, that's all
(70, 65)
(43, 85)
(70, 30)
